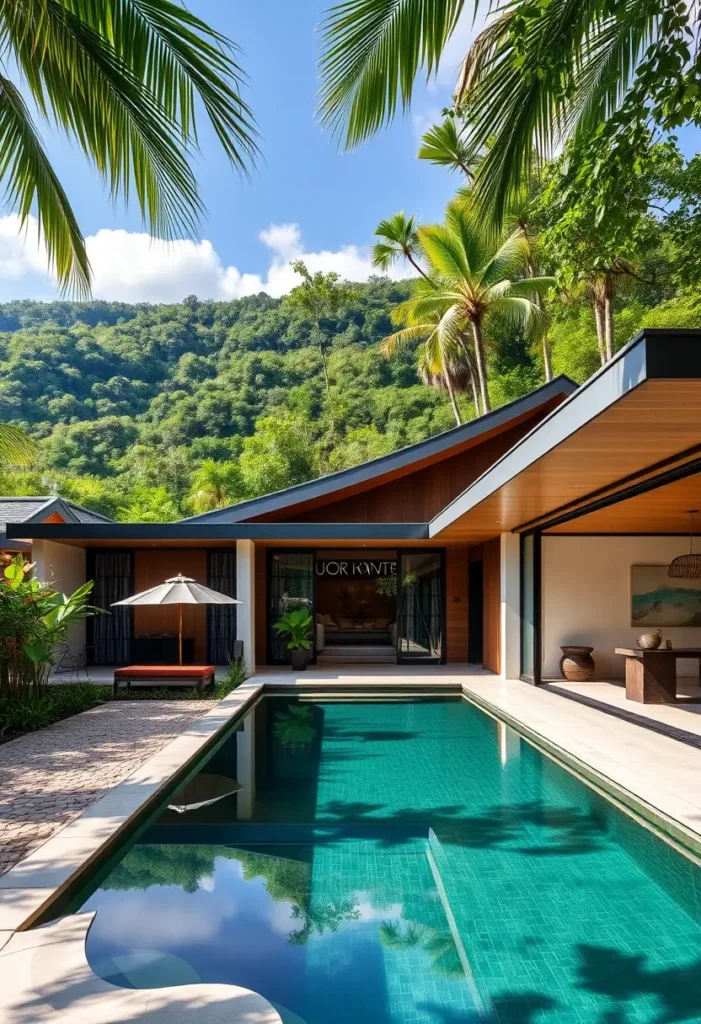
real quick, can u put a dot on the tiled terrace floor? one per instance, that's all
(49, 777)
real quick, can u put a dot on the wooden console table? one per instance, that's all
(651, 676)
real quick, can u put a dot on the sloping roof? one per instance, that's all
(37, 509)
(637, 413)
(406, 459)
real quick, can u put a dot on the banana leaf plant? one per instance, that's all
(34, 619)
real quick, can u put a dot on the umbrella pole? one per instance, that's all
(180, 634)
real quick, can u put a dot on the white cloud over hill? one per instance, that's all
(133, 267)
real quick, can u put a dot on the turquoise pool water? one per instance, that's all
(403, 863)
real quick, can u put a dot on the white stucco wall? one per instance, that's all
(586, 598)
(64, 565)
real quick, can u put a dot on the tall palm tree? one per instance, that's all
(123, 80)
(476, 278)
(445, 146)
(398, 238)
(440, 362)
(538, 72)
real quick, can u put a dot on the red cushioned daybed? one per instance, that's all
(199, 676)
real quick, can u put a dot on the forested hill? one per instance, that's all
(155, 412)
(152, 412)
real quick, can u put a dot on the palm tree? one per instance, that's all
(536, 74)
(440, 362)
(399, 238)
(476, 278)
(444, 145)
(212, 485)
(122, 79)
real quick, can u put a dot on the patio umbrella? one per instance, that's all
(178, 590)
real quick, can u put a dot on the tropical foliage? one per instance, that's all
(35, 618)
(297, 625)
(124, 80)
(537, 73)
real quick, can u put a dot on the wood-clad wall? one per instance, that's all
(491, 564)
(417, 496)
(153, 566)
(456, 565)
(261, 605)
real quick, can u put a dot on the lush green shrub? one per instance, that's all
(29, 710)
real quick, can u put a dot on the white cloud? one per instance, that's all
(133, 267)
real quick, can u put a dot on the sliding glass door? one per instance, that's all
(290, 585)
(421, 606)
(530, 607)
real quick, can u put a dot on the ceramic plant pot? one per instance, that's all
(577, 664)
(649, 641)
(299, 660)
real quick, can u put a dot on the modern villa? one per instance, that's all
(549, 522)
(406, 832)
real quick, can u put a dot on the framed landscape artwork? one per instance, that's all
(658, 600)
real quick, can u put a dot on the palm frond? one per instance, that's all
(30, 180)
(520, 313)
(120, 77)
(179, 56)
(394, 343)
(16, 449)
(444, 146)
(443, 251)
(372, 51)
(509, 261)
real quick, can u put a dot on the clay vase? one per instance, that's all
(577, 664)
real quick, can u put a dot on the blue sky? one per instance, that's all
(335, 199)
(304, 198)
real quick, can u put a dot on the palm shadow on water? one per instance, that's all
(569, 830)
(508, 1008)
(622, 977)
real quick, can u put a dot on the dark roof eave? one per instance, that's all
(130, 532)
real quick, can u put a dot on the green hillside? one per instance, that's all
(156, 412)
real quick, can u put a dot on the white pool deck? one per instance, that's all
(44, 975)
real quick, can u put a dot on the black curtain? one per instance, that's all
(221, 618)
(113, 573)
(290, 585)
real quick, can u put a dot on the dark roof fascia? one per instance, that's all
(13, 545)
(651, 354)
(432, 446)
(218, 531)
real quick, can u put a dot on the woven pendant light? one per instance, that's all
(687, 567)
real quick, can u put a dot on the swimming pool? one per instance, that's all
(403, 862)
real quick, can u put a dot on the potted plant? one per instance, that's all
(297, 624)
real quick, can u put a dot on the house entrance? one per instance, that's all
(356, 607)
(376, 606)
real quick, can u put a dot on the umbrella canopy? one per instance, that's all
(178, 590)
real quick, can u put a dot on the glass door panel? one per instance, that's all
(420, 606)
(290, 586)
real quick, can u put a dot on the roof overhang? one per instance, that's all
(638, 414)
(185, 531)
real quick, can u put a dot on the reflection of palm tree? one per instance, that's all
(439, 945)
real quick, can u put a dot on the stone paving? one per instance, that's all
(48, 777)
